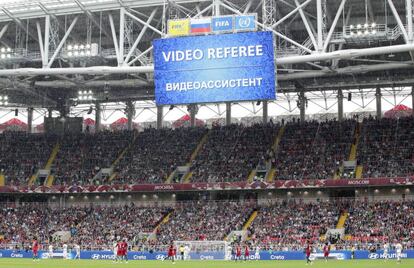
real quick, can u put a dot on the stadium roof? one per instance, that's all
(340, 62)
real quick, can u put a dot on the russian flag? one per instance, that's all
(200, 25)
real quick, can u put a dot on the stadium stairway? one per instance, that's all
(278, 138)
(358, 171)
(49, 181)
(246, 225)
(120, 156)
(187, 176)
(354, 146)
(249, 222)
(270, 175)
(48, 166)
(342, 220)
(353, 152)
(163, 221)
(251, 175)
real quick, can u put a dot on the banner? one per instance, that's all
(214, 68)
(264, 255)
(245, 23)
(202, 186)
(178, 27)
(222, 24)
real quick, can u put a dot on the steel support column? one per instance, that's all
(228, 113)
(121, 35)
(412, 99)
(378, 97)
(319, 19)
(130, 111)
(46, 46)
(409, 14)
(193, 113)
(302, 106)
(29, 120)
(340, 106)
(265, 111)
(97, 117)
(160, 115)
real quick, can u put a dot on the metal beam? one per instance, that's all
(308, 28)
(4, 30)
(141, 34)
(40, 41)
(293, 6)
(371, 10)
(346, 54)
(123, 83)
(121, 35)
(47, 35)
(140, 56)
(358, 69)
(304, 4)
(409, 13)
(18, 23)
(319, 23)
(270, 29)
(114, 38)
(144, 23)
(62, 42)
(398, 19)
(91, 17)
(100, 70)
(332, 29)
(247, 8)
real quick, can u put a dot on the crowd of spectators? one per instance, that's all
(386, 147)
(157, 153)
(22, 154)
(291, 224)
(313, 150)
(279, 225)
(381, 221)
(94, 227)
(307, 150)
(232, 152)
(202, 220)
(82, 156)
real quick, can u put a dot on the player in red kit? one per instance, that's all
(175, 253)
(125, 251)
(119, 251)
(170, 253)
(326, 250)
(308, 251)
(35, 249)
(246, 253)
(238, 252)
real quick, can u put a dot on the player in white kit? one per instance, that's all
(77, 251)
(257, 253)
(65, 251)
(386, 248)
(186, 252)
(115, 249)
(50, 255)
(398, 250)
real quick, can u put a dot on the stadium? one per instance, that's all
(211, 133)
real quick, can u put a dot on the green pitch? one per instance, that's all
(26, 263)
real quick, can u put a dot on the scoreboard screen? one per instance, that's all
(214, 68)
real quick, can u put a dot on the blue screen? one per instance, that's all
(214, 68)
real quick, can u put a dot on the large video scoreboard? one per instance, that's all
(214, 68)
